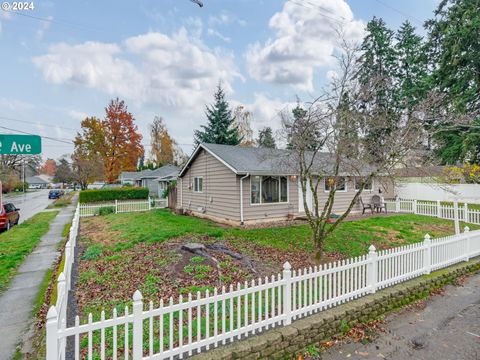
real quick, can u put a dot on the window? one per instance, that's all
(198, 184)
(359, 181)
(338, 182)
(269, 189)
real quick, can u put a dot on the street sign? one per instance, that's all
(20, 144)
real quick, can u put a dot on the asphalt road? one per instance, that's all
(448, 328)
(29, 204)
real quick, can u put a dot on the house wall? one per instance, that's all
(269, 212)
(221, 189)
(343, 198)
(469, 193)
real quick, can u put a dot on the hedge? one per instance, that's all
(124, 193)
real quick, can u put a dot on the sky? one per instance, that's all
(65, 60)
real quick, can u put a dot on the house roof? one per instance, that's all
(36, 180)
(426, 171)
(167, 170)
(263, 161)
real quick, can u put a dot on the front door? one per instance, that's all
(301, 207)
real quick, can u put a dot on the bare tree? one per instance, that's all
(341, 134)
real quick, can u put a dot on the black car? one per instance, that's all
(55, 194)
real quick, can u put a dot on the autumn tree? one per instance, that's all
(49, 167)
(64, 172)
(243, 124)
(265, 138)
(114, 141)
(162, 151)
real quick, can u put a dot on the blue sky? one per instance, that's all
(164, 57)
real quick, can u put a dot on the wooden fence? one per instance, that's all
(198, 322)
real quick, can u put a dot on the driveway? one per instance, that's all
(29, 204)
(448, 328)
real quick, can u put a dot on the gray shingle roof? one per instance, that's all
(167, 170)
(36, 180)
(262, 161)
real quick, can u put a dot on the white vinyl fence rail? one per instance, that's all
(196, 323)
(435, 209)
(122, 206)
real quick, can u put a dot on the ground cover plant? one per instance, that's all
(20, 241)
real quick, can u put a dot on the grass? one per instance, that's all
(63, 201)
(20, 241)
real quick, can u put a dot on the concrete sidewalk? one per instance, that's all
(16, 303)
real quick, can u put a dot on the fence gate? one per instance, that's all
(172, 198)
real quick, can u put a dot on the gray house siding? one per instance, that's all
(260, 212)
(221, 194)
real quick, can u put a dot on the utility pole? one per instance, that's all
(23, 175)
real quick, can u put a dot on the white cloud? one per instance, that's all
(44, 26)
(225, 18)
(175, 71)
(213, 32)
(77, 115)
(305, 40)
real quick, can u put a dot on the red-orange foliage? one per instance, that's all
(49, 167)
(114, 141)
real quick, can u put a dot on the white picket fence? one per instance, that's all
(435, 209)
(122, 206)
(64, 280)
(197, 323)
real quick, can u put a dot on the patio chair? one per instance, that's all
(365, 206)
(378, 205)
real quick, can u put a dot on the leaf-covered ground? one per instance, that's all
(124, 252)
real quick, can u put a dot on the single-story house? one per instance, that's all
(246, 185)
(38, 182)
(155, 180)
(424, 174)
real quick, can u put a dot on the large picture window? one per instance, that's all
(368, 184)
(340, 182)
(269, 189)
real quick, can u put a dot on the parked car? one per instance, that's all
(9, 216)
(55, 194)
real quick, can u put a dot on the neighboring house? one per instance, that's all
(425, 174)
(238, 185)
(155, 180)
(38, 182)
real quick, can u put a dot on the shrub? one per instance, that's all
(123, 193)
(106, 210)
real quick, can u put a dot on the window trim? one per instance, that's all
(194, 181)
(337, 191)
(355, 184)
(260, 190)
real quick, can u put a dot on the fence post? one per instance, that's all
(116, 206)
(137, 326)
(372, 269)
(439, 209)
(52, 334)
(427, 254)
(455, 217)
(466, 230)
(287, 293)
(397, 204)
(415, 206)
(149, 204)
(465, 212)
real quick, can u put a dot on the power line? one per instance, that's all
(319, 10)
(33, 123)
(65, 141)
(418, 21)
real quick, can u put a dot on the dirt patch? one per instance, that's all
(98, 231)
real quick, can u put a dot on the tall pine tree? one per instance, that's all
(220, 128)
(265, 138)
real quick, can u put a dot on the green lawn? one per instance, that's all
(20, 241)
(125, 252)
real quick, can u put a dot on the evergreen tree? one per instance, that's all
(411, 67)
(454, 53)
(219, 128)
(265, 138)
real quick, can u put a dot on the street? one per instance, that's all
(448, 328)
(29, 204)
